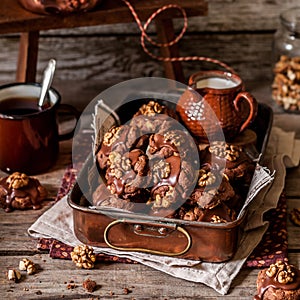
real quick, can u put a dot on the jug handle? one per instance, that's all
(252, 104)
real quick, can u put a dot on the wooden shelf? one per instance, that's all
(15, 19)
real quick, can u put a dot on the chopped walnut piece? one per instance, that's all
(111, 136)
(14, 275)
(118, 164)
(151, 109)
(161, 169)
(165, 200)
(206, 178)
(83, 256)
(174, 138)
(71, 285)
(17, 180)
(190, 216)
(27, 265)
(217, 219)
(221, 149)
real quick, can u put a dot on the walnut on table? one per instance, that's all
(14, 275)
(27, 265)
(83, 256)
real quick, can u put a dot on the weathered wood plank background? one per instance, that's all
(238, 32)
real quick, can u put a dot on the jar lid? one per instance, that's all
(291, 19)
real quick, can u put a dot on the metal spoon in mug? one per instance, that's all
(47, 80)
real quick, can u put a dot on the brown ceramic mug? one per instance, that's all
(29, 135)
(224, 93)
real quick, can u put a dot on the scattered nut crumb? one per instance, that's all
(126, 291)
(295, 216)
(71, 285)
(89, 285)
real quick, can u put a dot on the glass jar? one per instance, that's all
(286, 56)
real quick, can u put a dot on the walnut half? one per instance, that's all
(17, 180)
(206, 178)
(161, 169)
(281, 272)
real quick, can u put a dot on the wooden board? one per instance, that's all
(14, 18)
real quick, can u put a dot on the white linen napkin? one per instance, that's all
(57, 223)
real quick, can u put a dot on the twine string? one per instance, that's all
(145, 36)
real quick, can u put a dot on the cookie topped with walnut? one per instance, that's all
(280, 281)
(232, 160)
(19, 191)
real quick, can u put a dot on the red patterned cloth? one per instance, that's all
(274, 244)
(67, 182)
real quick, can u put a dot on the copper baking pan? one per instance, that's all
(126, 231)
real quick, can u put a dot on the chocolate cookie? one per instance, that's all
(231, 160)
(190, 211)
(127, 175)
(19, 191)
(280, 281)
(119, 139)
(212, 189)
(102, 197)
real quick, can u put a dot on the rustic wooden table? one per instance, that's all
(54, 275)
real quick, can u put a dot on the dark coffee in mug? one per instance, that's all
(17, 106)
(29, 135)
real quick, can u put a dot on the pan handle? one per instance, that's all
(179, 228)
